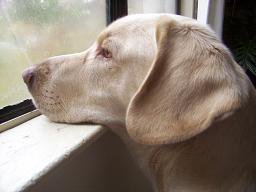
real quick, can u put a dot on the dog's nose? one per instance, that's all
(28, 75)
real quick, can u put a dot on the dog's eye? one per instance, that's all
(103, 52)
(106, 53)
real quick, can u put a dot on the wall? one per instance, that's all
(105, 166)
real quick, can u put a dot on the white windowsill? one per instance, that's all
(32, 149)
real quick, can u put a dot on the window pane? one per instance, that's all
(186, 8)
(151, 6)
(32, 30)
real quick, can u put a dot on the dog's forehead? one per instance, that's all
(127, 25)
(134, 24)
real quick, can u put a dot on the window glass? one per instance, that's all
(186, 8)
(32, 30)
(151, 6)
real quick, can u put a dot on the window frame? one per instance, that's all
(115, 10)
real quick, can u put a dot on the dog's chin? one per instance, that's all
(61, 116)
(58, 117)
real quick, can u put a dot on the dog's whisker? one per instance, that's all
(61, 103)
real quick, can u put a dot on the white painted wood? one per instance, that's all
(151, 6)
(32, 149)
(216, 16)
(211, 12)
(18, 120)
(187, 8)
(202, 11)
(104, 166)
(170, 6)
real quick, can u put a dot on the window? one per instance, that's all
(151, 6)
(205, 11)
(32, 30)
(181, 7)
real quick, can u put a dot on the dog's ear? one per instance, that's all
(193, 82)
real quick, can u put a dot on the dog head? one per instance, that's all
(166, 77)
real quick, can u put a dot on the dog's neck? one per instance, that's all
(141, 153)
(220, 156)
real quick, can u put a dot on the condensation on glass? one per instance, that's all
(32, 30)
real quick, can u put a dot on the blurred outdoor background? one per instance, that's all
(33, 30)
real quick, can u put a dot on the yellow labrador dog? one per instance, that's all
(171, 90)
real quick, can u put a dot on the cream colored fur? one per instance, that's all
(171, 90)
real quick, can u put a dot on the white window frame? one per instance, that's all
(211, 12)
